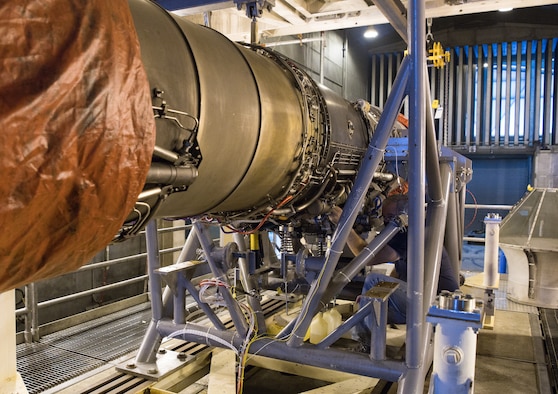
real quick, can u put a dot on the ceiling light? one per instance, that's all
(371, 33)
(505, 9)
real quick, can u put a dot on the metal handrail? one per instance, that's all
(485, 206)
(107, 263)
(30, 310)
(84, 293)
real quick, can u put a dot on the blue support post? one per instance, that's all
(369, 165)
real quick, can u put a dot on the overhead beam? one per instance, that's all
(192, 7)
(288, 14)
(291, 17)
(297, 6)
(396, 13)
(366, 17)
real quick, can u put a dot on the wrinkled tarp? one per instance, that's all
(76, 132)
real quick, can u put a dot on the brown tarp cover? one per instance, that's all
(76, 132)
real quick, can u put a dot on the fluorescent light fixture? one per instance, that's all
(505, 9)
(371, 33)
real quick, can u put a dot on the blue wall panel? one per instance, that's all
(500, 181)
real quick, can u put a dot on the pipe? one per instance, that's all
(384, 176)
(151, 341)
(453, 237)
(369, 164)
(109, 263)
(435, 227)
(165, 154)
(248, 284)
(352, 321)
(31, 333)
(438, 191)
(188, 251)
(346, 274)
(488, 206)
(71, 297)
(322, 57)
(179, 302)
(492, 222)
(168, 174)
(291, 42)
(432, 154)
(234, 310)
(203, 306)
(415, 254)
(354, 362)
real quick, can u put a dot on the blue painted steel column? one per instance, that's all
(417, 170)
(234, 310)
(147, 351)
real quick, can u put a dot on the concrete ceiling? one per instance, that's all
(294, 17)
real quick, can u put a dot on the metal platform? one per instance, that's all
(70, 353)
(82, 359)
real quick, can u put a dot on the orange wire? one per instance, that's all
(403, 120)
(285, 200)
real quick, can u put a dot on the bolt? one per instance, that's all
(130, 365)
(162, 351)
(152, 371)
(182, 356)
(453, 356)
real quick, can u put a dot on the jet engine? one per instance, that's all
(243, 133)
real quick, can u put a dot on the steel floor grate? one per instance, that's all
(549, 323)
(505, 304)
(42, 366)
(69, 353)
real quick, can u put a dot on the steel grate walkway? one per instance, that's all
(69, 353)
(549, 323)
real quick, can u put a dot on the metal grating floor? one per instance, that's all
(549, 320)
(42, 366)
(69, 353)
(473, 285)
(503, 303)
